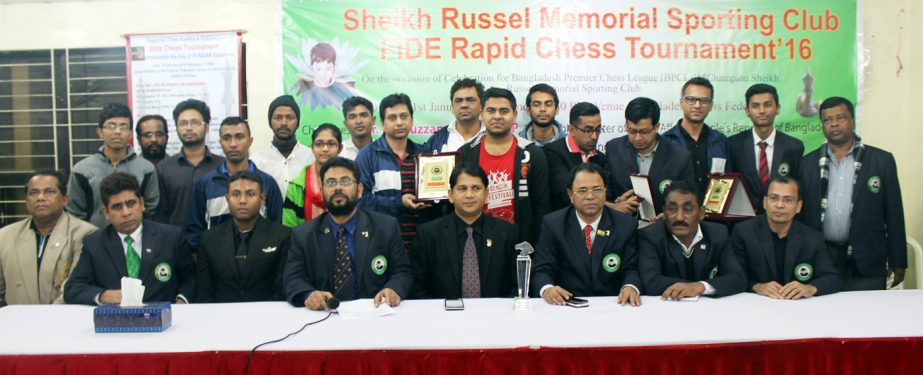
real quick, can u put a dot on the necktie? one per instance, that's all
(343, 270)
(586, 236)
(242, 248)
(471, 276)
(764, 164)
(132, 260)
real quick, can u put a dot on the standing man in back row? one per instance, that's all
(466, 95)
(706, 145)
(543, 105)
(285, 158)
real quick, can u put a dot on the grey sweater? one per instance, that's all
(83, 185)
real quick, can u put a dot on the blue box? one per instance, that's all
(155, 317)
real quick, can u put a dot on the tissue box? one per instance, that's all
(155, 317)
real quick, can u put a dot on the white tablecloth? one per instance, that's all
(485, 323)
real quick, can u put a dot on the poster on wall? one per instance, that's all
(603, 52)
(165, 69)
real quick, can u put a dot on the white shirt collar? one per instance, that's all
(583, 224)
(770, 140)
(135, 238)
(698, 237)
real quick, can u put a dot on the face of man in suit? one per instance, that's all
(235, 142)
(498, 116)
(642, 135)
(468, 196)
(341, 191)
(782, 202)
(397, 122)
(44, 199)
(588, 195)
(586, 132)
(838, 124)
(245, 198)
(682, 214)
(762, 110)
(124, 210)
(693, 103)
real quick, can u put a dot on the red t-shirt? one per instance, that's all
(501, 197)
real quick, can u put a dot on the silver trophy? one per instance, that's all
(523, 273)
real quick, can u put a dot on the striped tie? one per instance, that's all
(132, 260)
(471, 276)
(764, 165)
(343, 271)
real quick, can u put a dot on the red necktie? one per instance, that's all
(764, 165)
(586, 236)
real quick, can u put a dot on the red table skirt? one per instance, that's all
(797, 357)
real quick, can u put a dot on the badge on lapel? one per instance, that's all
(379, 265)
(664, 185)
(874, 184)
(803, 272)
(602, 233)
(163, 272)
(611, 262)
(713, 273)
(489, 242)
(365, 234)
(784, 169)
(269, 250)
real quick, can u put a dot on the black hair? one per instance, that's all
(341, 162)
(197, 105)
(354, 101)
(470, 169)
(682, 187)
(62, 183)
(466, 83)
(327, 126)
(116, 183)
(144, 118)
(545, 88)
(234, 120)
(761, 88)
(786, 180)
(641, 108)
(585, 167)
(393, 100)
(496, 92)
(323, 52)
(112, 110)
(582, 109)
(836, 101)
(698, 81)
(246, 175)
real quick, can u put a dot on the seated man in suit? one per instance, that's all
(577, 147)
(588, 249)
(242, 259)
(683, 256)
(465, 254)
(783, 258)
(642, 152)
(130, 247)
(347, 252)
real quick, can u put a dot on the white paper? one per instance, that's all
(717, 165)
(132, 292)
(642, 188)
(363, 309)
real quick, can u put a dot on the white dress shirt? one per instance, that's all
(770, 146)
(283, 169)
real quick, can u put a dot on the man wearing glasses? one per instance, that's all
(151, 131)
(178, 173)
(706, 145)
(347, 252)
(577, 147)
(115, 155)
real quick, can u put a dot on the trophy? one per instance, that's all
(523, 271)
(727, 198)
(432, 176)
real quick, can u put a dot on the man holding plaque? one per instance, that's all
(577, 147)
(763, 152)
(465, 254)
(852, 195)
(783, 258)
(517, 171)
(466, 95)
(708, 147)
(642, 152)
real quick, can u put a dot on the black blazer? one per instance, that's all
(671, 163)
(662, 263)
(561, 259)
(311, 260)
(166, 266)
(751, 240)
(876, 230)
(560, 163)
(786, 161)
(260, 277)
(437, 259)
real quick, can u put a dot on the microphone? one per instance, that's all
(333, 303)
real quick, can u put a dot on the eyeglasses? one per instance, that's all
(590, 130)
(584, 192)
(189, 124)
(322, 144)
(691, 100)
(113, 126)
(343, 182)
(788, 201)
(640, 131)
(152, 134)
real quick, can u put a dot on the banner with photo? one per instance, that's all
(602, 52)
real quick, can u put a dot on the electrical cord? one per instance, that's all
(249, 356)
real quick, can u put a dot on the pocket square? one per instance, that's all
(269, 249)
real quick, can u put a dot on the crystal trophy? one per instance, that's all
(523, 272)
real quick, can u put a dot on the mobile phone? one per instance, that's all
(577, 302)
(454, 305)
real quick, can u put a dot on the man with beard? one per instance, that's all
(285, 158)
(359, 119)
(466, 95)
(152, 136)
(543, 107)
(706, 145)
(763, 152)
(179, 173)
(852, 195)
(242, 260)
(115, 155)
(783, 258)
(517, 171)
(348, 252)
(683, 256)
(209, 207)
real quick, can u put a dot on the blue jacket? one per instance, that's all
(209, 206)
(717, 142)
(380, 176)
(436, 141)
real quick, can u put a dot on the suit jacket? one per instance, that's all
(311, 260)
(876, 230)
(166, 271)
(751, 241)
(560, 163)
(787, 152)
(437, 259)
(260, 275)
(20, 279)
(662, 263)
(671, 163)
(561, 259)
